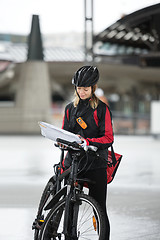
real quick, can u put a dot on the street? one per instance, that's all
(133, 197)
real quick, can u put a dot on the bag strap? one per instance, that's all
(114, 161)
(86, 113)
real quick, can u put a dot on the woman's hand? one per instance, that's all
(83, 142)
(61, 145)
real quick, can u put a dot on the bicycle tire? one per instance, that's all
(43, 200)
(52, 228)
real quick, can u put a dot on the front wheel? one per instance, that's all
(45, 198)
(86, 221)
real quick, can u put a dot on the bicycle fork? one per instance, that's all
(71, 218)
(71, 205)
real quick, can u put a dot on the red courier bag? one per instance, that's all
(114, 160)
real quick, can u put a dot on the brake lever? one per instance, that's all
(92, 148)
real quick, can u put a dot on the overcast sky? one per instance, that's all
(63, 15)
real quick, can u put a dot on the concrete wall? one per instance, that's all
(32, 103)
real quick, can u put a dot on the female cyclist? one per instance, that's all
(90, 118)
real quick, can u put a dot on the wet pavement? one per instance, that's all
(133, 197)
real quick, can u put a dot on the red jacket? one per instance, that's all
(99, 131)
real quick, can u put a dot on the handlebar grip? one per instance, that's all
(67, 143)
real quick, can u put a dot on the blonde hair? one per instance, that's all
(93, 102)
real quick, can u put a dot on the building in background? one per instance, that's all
(126, 53)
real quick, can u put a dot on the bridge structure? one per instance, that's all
(126, 53)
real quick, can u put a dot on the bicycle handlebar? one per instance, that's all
(66, 143)
(74, 145)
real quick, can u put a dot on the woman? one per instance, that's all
(90, 118)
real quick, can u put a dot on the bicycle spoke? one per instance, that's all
(81, 227)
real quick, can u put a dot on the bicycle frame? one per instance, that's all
(69, 191)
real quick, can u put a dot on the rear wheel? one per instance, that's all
(86, 221)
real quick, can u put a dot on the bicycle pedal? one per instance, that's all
(34, 225)
(37, 224)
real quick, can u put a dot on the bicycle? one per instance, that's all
(72, 214)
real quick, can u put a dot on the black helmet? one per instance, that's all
(86, 76)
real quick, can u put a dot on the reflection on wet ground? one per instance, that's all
(133, 197)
